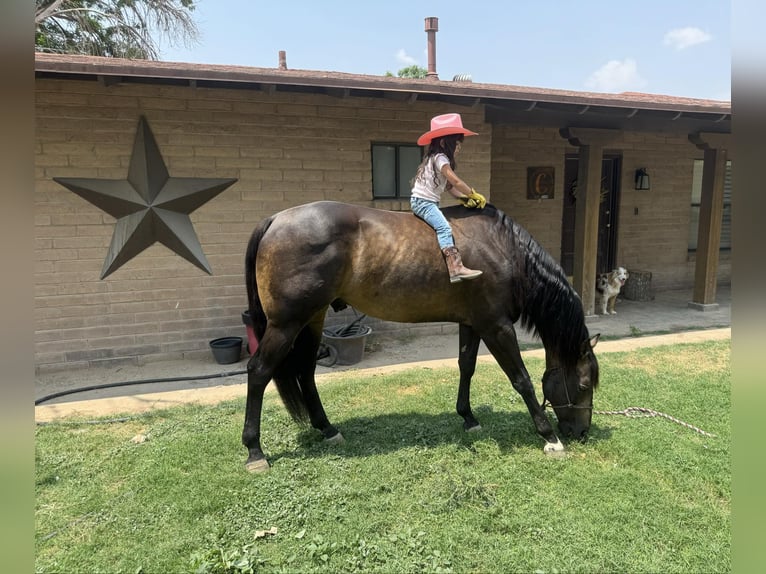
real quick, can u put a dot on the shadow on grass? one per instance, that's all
(387, 433)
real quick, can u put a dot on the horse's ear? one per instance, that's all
(594, 339)
(588, 344)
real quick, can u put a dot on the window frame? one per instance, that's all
(698, 165)
(399, 194)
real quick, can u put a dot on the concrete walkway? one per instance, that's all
(668, 317)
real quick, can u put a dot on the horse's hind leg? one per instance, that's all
(502, 342)
(272, 349)
(469, 349)
(309, 348)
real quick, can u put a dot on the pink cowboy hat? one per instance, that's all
(444, 125)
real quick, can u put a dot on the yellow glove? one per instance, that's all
(477, 198)
(468, 202)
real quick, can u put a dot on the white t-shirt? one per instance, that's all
(424, 187)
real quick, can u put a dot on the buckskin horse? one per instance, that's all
(388, 264)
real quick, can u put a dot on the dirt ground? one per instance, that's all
(433, 351)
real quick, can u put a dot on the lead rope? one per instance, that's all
(630, 412)
(638, 412)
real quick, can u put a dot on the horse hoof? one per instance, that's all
(554, 449)
(335, 439)
(257, 466)
(474, 428)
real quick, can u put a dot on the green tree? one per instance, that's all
(410, 72)
(116, 28)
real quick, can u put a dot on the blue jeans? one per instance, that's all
(429, 212)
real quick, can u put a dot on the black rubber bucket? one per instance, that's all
(226, 350)
(348, 340)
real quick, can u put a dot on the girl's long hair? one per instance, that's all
(446, 145)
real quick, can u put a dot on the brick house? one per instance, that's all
(281, 137)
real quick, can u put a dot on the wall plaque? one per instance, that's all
(540, 182)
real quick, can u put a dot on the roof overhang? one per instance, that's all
(504, 103)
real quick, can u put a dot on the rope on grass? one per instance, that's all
(636, 412)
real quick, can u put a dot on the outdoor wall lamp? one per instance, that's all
(642, 179)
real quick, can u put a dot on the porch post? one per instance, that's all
(586, 224)
(591, 143)
(715, 148)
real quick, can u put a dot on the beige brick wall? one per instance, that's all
(284, 149)
(654, 224)
(514, 149)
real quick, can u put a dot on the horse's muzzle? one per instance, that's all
(573, 431)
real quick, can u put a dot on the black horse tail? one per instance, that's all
(286, 375)
(257, 316)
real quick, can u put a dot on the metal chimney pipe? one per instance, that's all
(282, 60)
(432, 27)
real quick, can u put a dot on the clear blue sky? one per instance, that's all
(671, 47)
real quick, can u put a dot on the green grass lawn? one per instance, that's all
(409, 491)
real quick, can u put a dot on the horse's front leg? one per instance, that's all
(469, 349)
(502, 343)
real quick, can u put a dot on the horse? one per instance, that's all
(387, 264)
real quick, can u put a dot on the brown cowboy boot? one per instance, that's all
(457, 272)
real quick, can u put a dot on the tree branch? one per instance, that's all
(42, 13)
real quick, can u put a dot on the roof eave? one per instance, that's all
(193, 74)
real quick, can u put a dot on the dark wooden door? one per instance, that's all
(607, 219)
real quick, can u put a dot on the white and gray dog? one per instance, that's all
(608, 286)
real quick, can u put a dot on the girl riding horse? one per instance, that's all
(435, 175)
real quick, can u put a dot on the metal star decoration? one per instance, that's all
(149, 205)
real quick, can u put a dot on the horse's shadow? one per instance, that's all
(386, 433)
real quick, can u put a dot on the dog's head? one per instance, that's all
(620, 275)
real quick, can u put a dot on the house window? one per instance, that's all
(393, 166)
(696, 199)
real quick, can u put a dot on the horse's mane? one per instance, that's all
(550, 307)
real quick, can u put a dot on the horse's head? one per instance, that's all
(569, 390)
